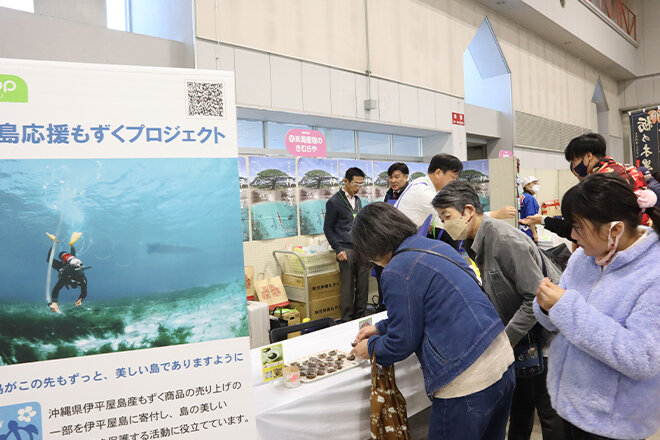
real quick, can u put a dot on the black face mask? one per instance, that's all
(581, 169)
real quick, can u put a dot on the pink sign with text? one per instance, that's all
(506, 153)
(305, 143)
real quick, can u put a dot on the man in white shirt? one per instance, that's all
(415, 201)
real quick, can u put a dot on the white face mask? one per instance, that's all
(536, 188)
(457, 228)
(612, 243)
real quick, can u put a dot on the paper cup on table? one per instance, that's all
(291, 376)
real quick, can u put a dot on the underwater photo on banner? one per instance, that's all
(112, 255)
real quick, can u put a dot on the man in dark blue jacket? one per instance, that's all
(340, 211)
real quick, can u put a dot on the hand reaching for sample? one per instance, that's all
(532, 220)
(79, 302)
(548, 294)
(366, 331)
(504, 213)
(54, 307)
(361, 351)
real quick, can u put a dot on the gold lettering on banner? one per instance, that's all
(644, 124)
(646, 151)
(647, 164)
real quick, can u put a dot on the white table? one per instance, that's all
(335, 407)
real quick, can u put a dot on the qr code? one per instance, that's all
(206, 99)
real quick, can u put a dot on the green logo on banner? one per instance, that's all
(13, 89)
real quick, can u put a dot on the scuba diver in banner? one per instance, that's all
(70, 272)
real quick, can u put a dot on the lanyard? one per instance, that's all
(396, 205)
(345, 199)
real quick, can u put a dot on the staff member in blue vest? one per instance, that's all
(529, 205)
(397, 177)
(340, 211)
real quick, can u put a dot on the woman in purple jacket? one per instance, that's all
(604, 364)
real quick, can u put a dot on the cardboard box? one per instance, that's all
(551, 208)
(320, 308)
(319, 286)
(291, 316)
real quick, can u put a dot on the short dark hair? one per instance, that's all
(587, 143)
(456, 195)
(604, 198)
(398, 166)
(444, 163)
(380, 228)
(353, 172)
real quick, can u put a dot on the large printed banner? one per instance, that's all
(477, 173)
(122, 302)
(273, 193)
(644, 128)
(317, 182)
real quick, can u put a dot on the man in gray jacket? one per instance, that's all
(511, 267)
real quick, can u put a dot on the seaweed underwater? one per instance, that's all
(31, 332)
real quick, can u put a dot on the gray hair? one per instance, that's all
(456, 195)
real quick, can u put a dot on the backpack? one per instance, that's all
(559, 255)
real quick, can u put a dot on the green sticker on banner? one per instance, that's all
(272, 362)
(13, 89)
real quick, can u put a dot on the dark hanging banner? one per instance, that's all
(644, 137)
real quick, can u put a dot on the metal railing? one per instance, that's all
(619, 13)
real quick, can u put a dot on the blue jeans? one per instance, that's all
(479, 416)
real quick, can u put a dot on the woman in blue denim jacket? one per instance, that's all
(436, 309)
(604, 364)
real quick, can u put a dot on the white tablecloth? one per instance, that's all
(336, 407)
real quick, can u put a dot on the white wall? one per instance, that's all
(40, 37)
(413, 42)
(79, 11)
(540, 159)
(329, 32)
(580, 21)
(277, 83)
(648, 26)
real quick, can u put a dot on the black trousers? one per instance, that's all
(354, 286)
(532, 393)
(572, 432)
(379, 270)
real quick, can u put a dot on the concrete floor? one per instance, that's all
(418, 426)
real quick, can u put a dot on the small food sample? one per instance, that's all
(324, 364)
